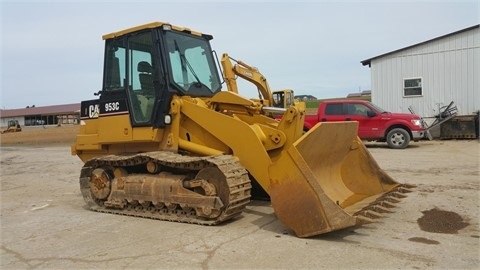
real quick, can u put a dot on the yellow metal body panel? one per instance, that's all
(147, 26)
(234, 135)
(114, 129)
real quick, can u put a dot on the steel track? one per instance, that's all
(236, 178)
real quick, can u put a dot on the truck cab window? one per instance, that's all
(357, 109)
(334, 109)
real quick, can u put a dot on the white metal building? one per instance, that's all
(429, 75)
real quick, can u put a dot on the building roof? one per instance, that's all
(45, 110)
(368, 61)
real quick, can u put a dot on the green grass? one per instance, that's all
(310, 104)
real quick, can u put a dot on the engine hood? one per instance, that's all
(406, 116)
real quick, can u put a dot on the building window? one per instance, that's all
(412, 87)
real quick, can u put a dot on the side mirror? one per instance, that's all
(371, 113)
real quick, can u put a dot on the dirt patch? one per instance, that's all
(41, 135)
(439, 221)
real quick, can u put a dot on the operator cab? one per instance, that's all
(144, 66)
(283, 98)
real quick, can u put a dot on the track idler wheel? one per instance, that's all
(210, 181)
(100, 184)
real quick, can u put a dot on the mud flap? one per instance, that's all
(324, 179)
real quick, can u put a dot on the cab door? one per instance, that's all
(128, 97)
(368, 125)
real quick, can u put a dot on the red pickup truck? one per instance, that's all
(375, 124)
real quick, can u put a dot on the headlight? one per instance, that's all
(417, 122)
(168, 119)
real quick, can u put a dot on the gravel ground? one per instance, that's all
(44, 223)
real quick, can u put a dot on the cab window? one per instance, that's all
(115, 65)
(141, 91)
(334, 109)
(192, 66)
(357, 109)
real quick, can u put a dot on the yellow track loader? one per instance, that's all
(12, 126)
(163, 141)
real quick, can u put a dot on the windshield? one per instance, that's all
(192, 65)
(378, 108)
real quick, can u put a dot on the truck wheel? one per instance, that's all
(398, 138)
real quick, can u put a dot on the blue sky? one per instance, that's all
(52, 51)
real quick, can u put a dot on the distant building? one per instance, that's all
(351, 95)
(47, 115)
(429, 75)
(305, 97)
(365, 94)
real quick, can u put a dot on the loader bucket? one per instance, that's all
(327, 180)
